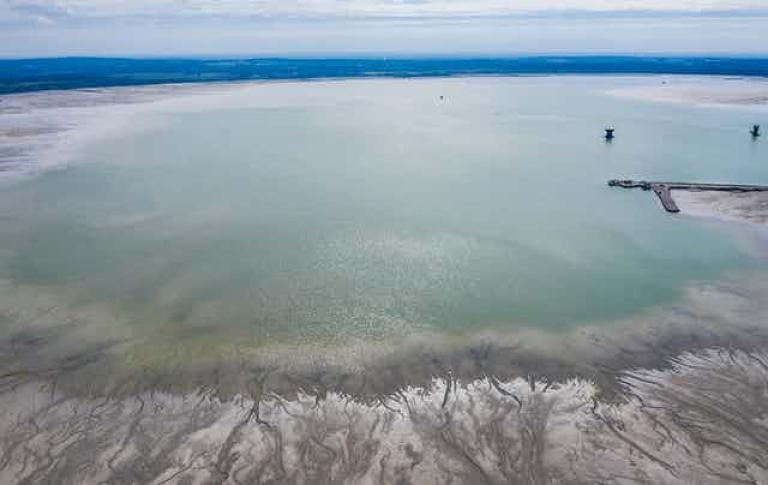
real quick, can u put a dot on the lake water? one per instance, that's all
(371, 211)
(360, 282)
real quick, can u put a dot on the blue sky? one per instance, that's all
(31, 28)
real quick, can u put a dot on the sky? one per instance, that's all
(45, 28)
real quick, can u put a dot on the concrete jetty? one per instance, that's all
(665, 196)
(663, 190)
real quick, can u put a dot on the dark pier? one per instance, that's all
(663, 190)
(665, 196)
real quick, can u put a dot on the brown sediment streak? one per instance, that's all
(632, 443)
(702, 421)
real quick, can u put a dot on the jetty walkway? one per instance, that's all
(663, 190)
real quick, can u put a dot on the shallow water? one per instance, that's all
(371, 209)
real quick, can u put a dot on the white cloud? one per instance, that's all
(360, 27)
(362, 8)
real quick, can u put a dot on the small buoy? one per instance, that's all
(442, 97)
(755, 132)
(609, 133)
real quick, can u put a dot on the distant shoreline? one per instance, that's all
(28, 75)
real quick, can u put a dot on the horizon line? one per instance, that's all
(331, 56)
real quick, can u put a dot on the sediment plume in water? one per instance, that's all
(89, 351)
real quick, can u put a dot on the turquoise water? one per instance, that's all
(370, 209)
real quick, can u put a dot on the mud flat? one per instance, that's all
(701, 421)
(745, 207)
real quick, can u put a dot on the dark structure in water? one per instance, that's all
(755, 131)
(609, 133)
(663, 189)
(21, 75)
